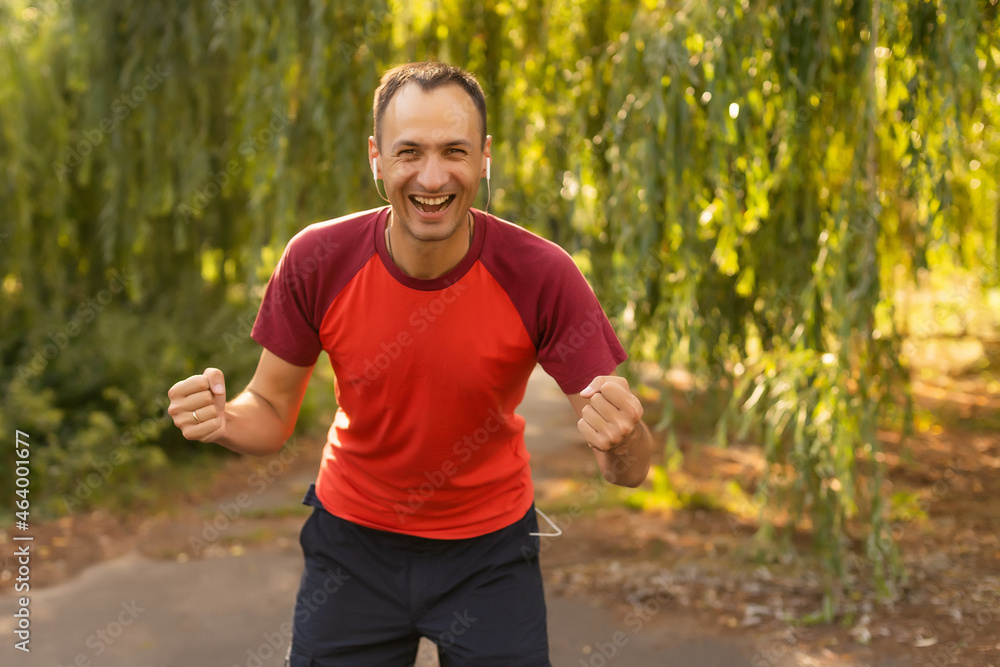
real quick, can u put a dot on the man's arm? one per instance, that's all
(257, 422)
(611, 421)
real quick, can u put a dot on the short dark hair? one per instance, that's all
(429, 76)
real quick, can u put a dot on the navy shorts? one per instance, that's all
(367, 596)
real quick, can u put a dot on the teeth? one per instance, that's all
(431, 201)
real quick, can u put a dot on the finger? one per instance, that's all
(185, 388)
(622, 399)
(200, 423)
(594, 429)
(605, 408)
(187, 395)
(182, 411)
(612, 428)
(619, 421)
(600, 381)
(589, 433)
(217, 381)
(197, 400)
(199, 431)
(204, 414)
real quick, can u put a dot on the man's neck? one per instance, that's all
(426, 260)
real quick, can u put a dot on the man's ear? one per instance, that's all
(373, 154)
(484, 173)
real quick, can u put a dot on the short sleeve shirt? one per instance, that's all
(428, 373)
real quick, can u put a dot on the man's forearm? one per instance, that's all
(628, 464)
(253, 426)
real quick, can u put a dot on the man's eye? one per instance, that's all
(408, 151)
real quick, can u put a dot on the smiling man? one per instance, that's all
(433, 315)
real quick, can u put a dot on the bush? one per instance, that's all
(94, 404)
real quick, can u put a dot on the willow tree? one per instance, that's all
(739, 180)
(743, 183)
(176, 145)
(801, 152)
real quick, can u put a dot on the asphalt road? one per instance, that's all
(233, 611)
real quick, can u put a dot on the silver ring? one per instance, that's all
(195, 413)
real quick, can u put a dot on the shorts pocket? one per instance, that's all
(305, 534)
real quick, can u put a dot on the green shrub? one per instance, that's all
(94, 405)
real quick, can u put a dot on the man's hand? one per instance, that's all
(612, 414)
(611, 422)
(257, 421)
(198, 406)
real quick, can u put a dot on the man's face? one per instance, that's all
(431, 159)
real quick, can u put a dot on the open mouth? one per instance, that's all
(432, 204)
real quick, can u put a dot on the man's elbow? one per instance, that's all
(631, 483)
(273, 445)
(282, 441)
(630, 479)
(271, 451)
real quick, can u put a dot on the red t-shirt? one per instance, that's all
(428, 372)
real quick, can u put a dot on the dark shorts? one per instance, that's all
(367, 596)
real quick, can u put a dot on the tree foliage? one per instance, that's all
(744, 184)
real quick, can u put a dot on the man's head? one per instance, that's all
(430, 148)
(428, 76)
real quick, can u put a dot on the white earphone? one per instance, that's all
(375, 176)
(487, 169)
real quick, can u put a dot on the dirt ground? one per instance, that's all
(699, 562)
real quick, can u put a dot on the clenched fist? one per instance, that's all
(198, 406)
(612, 414)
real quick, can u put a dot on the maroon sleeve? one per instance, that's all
(574, 339)
(315, 266)
(284, 323)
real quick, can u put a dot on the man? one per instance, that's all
(433, 315)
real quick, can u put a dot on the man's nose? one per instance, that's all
(433, 175)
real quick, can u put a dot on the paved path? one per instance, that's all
(230, 611)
